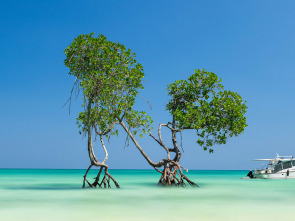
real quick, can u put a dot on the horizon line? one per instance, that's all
(97, 168)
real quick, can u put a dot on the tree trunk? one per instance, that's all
(105, 183)
(172, 173)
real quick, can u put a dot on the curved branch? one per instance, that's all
(160, 141)
(93, 159)
(176, 149)
(159, 164)
(91, 154)
(172, 128)
(105, 150)
(155, 139)
(103, 145)
(149, 103)
(70, 98)
(106, 130)
(160, 138)
(174, 131)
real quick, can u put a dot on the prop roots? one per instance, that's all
(173, 176)
(104, 183)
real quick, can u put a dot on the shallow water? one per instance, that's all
(223, 195)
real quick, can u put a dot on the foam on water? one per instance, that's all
(223, 195)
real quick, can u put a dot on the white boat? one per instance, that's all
(282, 167)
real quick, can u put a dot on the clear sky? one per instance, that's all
(249, 44)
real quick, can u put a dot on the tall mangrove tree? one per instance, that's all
(108, 77)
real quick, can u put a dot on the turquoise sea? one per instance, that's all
(33, 194)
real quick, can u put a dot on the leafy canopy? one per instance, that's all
(109, 77)
(200, 103)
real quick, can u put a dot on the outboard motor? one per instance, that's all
(250, 174)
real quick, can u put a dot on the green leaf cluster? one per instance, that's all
(110, 78)
(201, 104)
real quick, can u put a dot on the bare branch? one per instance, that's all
(159, 164)
(181, 141)
(70, 99)
(105, 150)
(149, 103)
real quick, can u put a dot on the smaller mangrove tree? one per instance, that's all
(202, 105)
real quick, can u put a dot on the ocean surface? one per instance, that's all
(33, 194)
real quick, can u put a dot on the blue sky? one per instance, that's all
(249, 44)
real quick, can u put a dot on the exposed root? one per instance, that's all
(85, 178)
(105, 182)
(173, 176)
(96, 182)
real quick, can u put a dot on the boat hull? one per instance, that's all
(284, 174)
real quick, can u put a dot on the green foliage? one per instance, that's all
(200, 103)
(109, 77)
